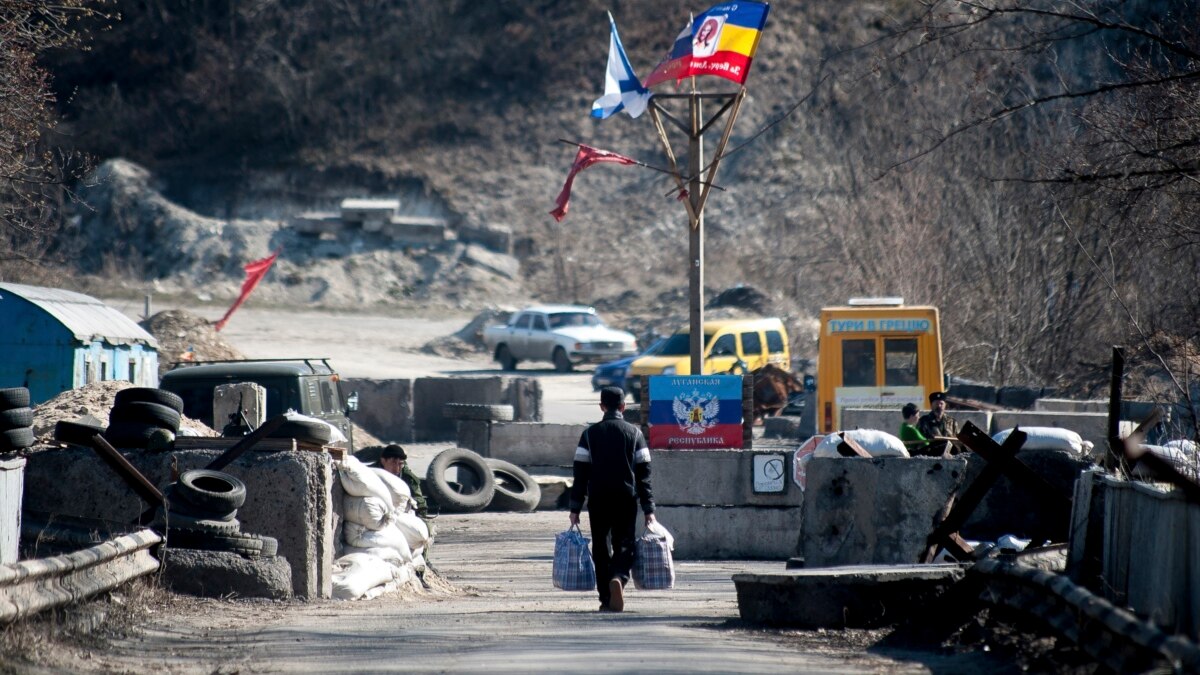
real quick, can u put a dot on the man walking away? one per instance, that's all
(612, 473)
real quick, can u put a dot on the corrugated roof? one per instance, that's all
(86, 317)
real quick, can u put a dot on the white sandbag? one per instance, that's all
(370, 512)
(415, 531)
(335, 434)
(389, 554)
(401, 493)
(1049, 438)
(357, 573)
(388, 536)
(877, 443)
(1183, 445)
(359, 480)
(1183, 461)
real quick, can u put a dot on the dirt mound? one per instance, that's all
(183, 336)
(469, 340)
(95, 400)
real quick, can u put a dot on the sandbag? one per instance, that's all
(389, 554)
(401, 493)
(1183, 461)
(357, 573)
(388, 536)
(335, 434)
(1049, 438)
(877, 443)
(370, 512)
(1183, 445)
(359, 480)
(415, 531)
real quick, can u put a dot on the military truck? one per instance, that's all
(307, 385)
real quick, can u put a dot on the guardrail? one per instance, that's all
(31, 586)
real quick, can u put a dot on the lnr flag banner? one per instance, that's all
(695, 411)
(255, 271)
(719, 42)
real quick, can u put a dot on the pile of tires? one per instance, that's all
(144, 417)
(16, 420)
(315, 432)
(201, 514)
(492, 484)
(478, 412)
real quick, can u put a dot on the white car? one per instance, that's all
(565, 335)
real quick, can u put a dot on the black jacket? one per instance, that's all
(611, 462)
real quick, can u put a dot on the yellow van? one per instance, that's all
(876, 353)
(730, 346)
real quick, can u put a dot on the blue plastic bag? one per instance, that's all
(573, 567)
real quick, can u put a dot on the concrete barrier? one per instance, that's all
(1012, 508)
(385, 407)
(890, 420)
(733, 532)
(430, 394)
(534, 444)
(288, 496)
(874, 511)
(1090, 426)
(717, 478)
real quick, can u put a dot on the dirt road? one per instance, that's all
(506, 618)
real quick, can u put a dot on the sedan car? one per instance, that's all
(612, 374)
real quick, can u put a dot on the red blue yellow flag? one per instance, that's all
(719, 42)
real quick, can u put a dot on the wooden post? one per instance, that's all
(696, 237)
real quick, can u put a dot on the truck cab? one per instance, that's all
(307, 385)
(876, 353)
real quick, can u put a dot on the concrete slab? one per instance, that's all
(1091, 426)
(717, 478)
(385, 407)
(874, 511)
(535, 443)
(218, 574)
(862, 596)
(889, 420)
(288, 496)
(733, 532)
(555, 492)
(1010, 508)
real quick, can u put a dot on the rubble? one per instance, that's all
(183, 336)
(95, 399)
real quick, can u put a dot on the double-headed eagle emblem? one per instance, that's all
(696, 412)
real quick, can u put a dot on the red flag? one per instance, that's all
(586, 157)
(255, 271)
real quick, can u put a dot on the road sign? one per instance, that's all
(770, 472)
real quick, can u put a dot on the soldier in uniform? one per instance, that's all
(937, 424)
(394, 460)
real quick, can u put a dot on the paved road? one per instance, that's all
(507, 618)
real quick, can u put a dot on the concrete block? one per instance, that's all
(534, 443)
(716, 478)
(984, 393)
(475, 435)
(555, 492)
(1091, 426)
(1019, 397)
(524, 394)
(385, 407)
(845, 597)
(231, 402)
(1010, 508)
(430, 394)
(733, 532)
(288, 496)
(218, 574)
(498, 238)
(874, 511)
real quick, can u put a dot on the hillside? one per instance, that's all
(247, 115)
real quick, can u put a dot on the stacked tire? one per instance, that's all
(480, 484)
(142, 417)
(16, 420)
(201, 514)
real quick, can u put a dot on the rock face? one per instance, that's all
(219, 574)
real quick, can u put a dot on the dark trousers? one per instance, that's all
(615, 520)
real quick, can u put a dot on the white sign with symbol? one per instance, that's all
(770, 473)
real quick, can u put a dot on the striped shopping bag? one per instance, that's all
(653, 569)
(573, 568)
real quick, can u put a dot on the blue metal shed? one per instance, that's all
(53, 340)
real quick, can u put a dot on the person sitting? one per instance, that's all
(914, 440)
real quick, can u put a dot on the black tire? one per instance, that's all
(76, 433)
(249, 545)
(14, 397)
(178, 521)
(270, 546)
(16, 439)
(317, 433)
(465, 498)
(15, 418)
(209, 490)
(562, 362)
(505, 357)
(144, 412)
(478, 411)
(516, 490)
(129, 434)
(149, 395)
(181, 506)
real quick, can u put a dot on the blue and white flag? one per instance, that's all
(622, 89)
